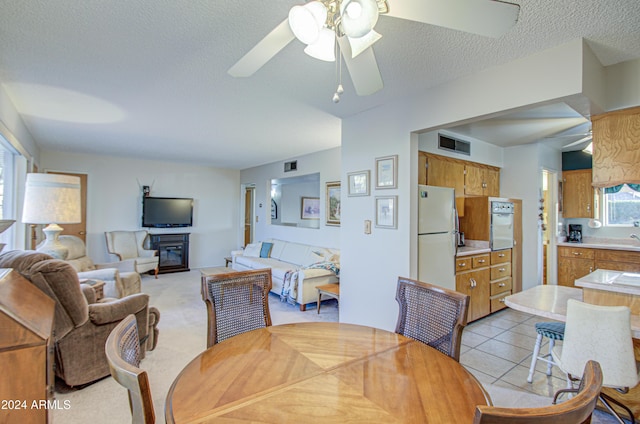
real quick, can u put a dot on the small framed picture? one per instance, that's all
(387, 172)
(387, 211)
(358, 183)
(310, 208)
(333, 203)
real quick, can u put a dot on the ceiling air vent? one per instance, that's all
(454, 145)
(291, 166)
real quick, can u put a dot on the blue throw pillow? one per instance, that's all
(266, 250)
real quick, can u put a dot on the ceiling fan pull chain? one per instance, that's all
(340, 89)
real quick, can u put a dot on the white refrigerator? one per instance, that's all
(437, 236)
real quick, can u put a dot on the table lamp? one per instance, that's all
(52, 199)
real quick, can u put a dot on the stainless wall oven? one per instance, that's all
(501, 225)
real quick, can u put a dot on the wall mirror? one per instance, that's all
(295, 201)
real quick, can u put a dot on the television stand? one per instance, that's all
(173, 250)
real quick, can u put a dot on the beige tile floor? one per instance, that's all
(497, 349)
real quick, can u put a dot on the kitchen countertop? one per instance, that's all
(473, 247)
(601, 243)
(611, 281)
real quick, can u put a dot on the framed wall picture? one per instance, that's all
(333, 203)
(358, 183)
(387, 211)
(310, 208)
(387, 172)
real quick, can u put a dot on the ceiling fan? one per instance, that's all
(347, 26)
(584, 137)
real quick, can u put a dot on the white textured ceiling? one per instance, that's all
(147, 78)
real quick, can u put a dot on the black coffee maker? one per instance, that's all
(575, 233)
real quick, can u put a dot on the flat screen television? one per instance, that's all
(167, 212)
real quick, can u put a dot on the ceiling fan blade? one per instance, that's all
(484, 17)
(262, 52)
(363, 69)
(575, 143)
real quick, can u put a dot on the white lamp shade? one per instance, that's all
(324, 47)
(307, 20)
(358, 17)
(52, 198)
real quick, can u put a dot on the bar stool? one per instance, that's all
(553, 331)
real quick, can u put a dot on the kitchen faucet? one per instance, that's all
(635, 236)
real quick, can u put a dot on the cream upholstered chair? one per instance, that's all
(431, 314)
(120, 278)
(578, 409)
(123, 355)
(131, 245)
(602, 334)
(237, 302)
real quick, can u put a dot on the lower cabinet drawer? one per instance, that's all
(500, 271)
(497, 301)
(500, 286)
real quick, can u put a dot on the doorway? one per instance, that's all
(249, 201)
(548, 225)
(79, 230)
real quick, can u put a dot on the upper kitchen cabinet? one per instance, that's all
(441, 171)
(578, 194)
(616, 147)
(467, 178)
(481, 180)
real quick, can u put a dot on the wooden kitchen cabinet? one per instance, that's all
(476, 285)
(501, 280)
(467, 178)
(441, 171)
(615, 147)
(26, 350)
(481, 181)
(578, 194)
(574, 263)
(472, 278)
(617, 260)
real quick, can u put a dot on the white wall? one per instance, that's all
(114, 200)
(327, 163)
(372, 263)
(521, 178)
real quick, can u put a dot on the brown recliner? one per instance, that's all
(81, 324)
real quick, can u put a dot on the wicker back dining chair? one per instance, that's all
(433, 315)
(237, 302)
(123, 355)
(578, 409)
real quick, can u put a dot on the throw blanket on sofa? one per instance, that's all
(291, 278)
(329, 266)
(289, 287)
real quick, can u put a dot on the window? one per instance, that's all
(621, 205)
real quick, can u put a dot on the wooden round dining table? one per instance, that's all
(323, 373)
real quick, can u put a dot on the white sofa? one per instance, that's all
(297, 268)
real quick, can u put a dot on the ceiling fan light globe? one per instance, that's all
(358, 17)
(307, 20)
(324, 47)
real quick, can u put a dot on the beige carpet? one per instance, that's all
(183, 326)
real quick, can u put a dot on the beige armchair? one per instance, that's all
(130, 245)
(120, 278)
(82, 325)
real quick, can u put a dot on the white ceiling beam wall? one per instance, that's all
(368, 292)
